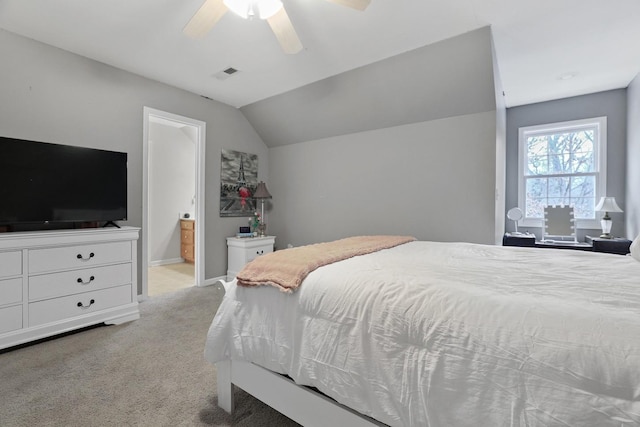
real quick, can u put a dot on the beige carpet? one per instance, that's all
(150, 372)
(167, 278)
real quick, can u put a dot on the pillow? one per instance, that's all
(635, 248)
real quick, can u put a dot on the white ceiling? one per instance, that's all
(537, 42)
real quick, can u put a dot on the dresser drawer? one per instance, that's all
(187, 225)
(77, 281)
(67, 257)
(62, 308)
(10, 318)
(10, 291)
(186, 252)
(187, 237)
(10, 263)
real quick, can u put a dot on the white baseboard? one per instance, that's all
(165, 262)
(213, 281)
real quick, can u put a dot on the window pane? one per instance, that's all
(537, 187)
(535, 208)
(536, 197)
(538, 165)
(583, 162)
(559, 189)
(560, 163)
(561, 153)
(583, 186)
(537, 146)
(583, 207)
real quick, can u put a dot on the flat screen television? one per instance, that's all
(44, 183)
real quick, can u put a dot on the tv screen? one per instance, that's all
(52, 183)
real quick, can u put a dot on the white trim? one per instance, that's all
(163, 116)
(600, 158)
(213, 281)
(166, 262)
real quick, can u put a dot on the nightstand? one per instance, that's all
(242, 250)
(614, 245)
(524, 240)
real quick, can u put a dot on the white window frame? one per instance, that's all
(600, 123)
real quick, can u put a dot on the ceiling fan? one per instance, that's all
(272, 10)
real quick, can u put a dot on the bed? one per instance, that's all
(441, 334)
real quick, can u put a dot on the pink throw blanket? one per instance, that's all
(286, 269)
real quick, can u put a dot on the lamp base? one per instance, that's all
(605, 224)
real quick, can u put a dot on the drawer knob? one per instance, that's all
(91, 255)
(82, 282)
(86, 306)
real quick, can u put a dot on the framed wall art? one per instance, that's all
(238, 182)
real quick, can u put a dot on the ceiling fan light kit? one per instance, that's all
(250, 8)
(270, 10)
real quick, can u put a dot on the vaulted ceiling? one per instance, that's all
(547, 49)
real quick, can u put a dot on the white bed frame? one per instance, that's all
(302, 404)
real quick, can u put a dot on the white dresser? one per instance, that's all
(56, 281)
(242, 250)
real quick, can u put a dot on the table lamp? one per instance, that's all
(606, 205)
(261, 194)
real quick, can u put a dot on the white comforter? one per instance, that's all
(453, 334)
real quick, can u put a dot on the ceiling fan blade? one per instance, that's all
(284, 31)
(354, 4)
(205, 18)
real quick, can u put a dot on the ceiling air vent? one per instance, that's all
(226, 73)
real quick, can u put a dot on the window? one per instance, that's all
(562, 164)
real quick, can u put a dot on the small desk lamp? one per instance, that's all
(261, 194)
(606, 205)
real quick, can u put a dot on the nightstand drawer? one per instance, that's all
(253, 253)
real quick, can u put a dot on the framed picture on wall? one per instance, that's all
(238, 182)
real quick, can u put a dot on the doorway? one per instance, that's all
(163, 215)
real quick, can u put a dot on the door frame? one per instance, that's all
(200, 142)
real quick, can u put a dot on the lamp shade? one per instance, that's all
(608, 204)
(261, 191)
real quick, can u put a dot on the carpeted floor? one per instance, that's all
(150, 372)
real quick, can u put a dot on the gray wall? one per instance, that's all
(404, 146)
(613, 105)
(450, 78)
(501, 150)
(172, 189)
(633, 159)
(434, 180)
(52, 95)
